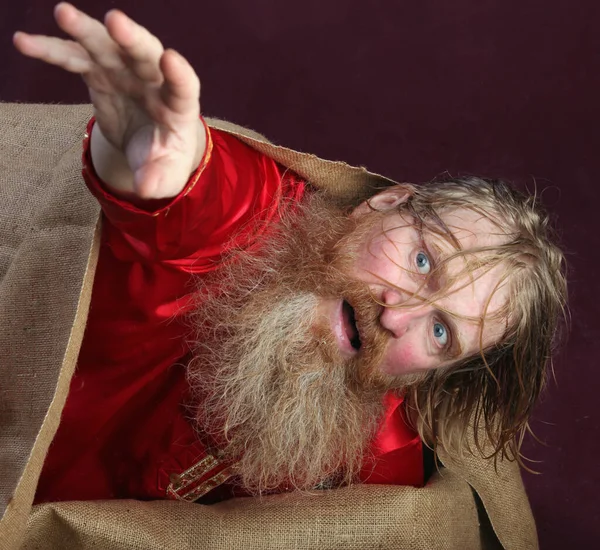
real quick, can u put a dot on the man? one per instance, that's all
(322, 330)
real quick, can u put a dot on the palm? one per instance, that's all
(157, 145)
(146, 100)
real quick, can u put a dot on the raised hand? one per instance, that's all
(146, 100)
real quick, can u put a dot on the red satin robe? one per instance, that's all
(124, 431)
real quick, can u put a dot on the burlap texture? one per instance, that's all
(47, 225)
(349, 183)
(501, 490)
(353, 518)
(49, 238)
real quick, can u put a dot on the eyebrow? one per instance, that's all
(440, 270)
(440, 273)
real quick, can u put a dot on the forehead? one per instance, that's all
(471, 229)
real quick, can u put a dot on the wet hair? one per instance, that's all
(490, 395)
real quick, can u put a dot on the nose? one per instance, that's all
(399, 320)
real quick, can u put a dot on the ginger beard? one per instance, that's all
(275, 394)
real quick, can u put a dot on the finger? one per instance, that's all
(90, 33)
(181, 89)
(63, 53)
(141, 48)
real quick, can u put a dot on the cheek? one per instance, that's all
(406, 356)
(401, 358)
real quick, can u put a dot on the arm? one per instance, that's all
(232, 194)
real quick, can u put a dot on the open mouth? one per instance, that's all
(350, 325)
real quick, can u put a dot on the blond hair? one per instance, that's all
(494, 391)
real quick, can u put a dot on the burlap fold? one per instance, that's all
(49, 239)
(356, 518)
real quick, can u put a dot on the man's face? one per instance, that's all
(299, 341)
(394, 259)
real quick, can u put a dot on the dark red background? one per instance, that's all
(412, 89)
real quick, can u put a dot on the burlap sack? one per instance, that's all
(49, 238)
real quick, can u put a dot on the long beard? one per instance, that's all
(274, 392)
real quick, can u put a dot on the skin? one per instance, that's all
(392, 261)
(148, 139)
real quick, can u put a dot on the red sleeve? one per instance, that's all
(233, 185)
(396, 453)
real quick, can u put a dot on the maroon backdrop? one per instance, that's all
(413, 89)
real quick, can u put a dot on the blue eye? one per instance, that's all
(440, 333)
(423, 265)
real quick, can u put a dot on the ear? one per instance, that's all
(388, 199)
